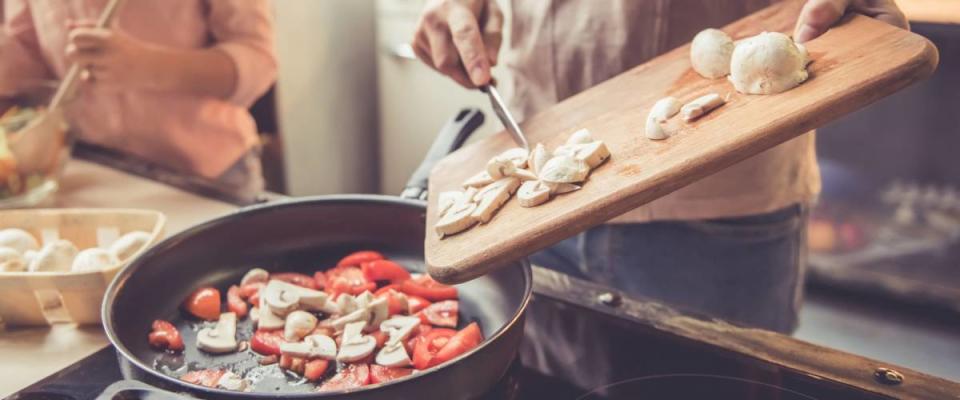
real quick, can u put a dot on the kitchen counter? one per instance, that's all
(31, 354)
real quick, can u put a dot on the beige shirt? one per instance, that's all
(561, 47)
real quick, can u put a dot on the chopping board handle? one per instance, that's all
(453, 135)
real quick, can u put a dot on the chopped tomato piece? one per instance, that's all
(384, 270)
(204, 303)
(353, 376)
(250, 289)
(165, 336)
(358, 258)
(320, 279)
(235, 303)
(380, 374)
(466, 339)
(428, 345)
(301, 280)
(348, 280)
(296, 365)
(267, 342)
(416, 303)
(396, 301)
(315, 369)
(204, 377)
(422, 330)
(429, 289)
(442, 313)
(381, 337)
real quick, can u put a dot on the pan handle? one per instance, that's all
(131, 389)
(453, 134)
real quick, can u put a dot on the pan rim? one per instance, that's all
(119, 281)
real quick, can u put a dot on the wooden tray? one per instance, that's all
(80, 293)
(854, 64)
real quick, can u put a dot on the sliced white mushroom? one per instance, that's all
(661, 111)
(538, 157)
(510, 184)
(347, 303)
(18, 239)
(393, 355)
(255, 275)
(446, 200)
(533, 193)
(354, 345)
(399, 328)
(561, 188)
(593, 153)
(523, 175)
(701, 106)
(479, 180)
(492, 197)
(313, 346)
(283, 297)
(54, 256)
(565, 169)
(221, 338)
(500, 167)
(655, 131)
(298, 324)
(266, 318)
(710, 53)
(234, 382)
(768, 63)
(459, 218)
(580, 137)
(517, 155)
(379, 311)
(129, 244)
(255, 315)
(358, 315)
(364, 299)
(11, 260)
(94, 259)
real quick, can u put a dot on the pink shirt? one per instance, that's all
(201, 135)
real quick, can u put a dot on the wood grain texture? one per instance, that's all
(854, 64)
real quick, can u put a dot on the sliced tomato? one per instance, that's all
(352, 376)
(380, 374)
(396, 301)
(381, 337)
(424, 286)
(466, 339)
(301, 280)
(357, 258)
(384, 270)
(204, 377)
(204, 303)
(428, 345)
(293, 364)
(348, 280)
(315, 369)
(416, 303)
(422, 330)
(320, 279)
(235, 303)
(442, 313)
(165, 336)
(267, 342)
(250, 289)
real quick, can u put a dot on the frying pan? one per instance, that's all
(305, 235)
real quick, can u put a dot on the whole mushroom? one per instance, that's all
(710, 53)
(768, 63)
(94, 259)
(18, 239)
(11, 260)
(129, 244)
(54, 256)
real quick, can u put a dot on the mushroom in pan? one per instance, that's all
(266, 319)
(298, 324)
(313, 346)
(768, 63)
(710, 53)
(393, 353)
(358, 315)
(54, 256)
(221, 338)
(234, 382)
(94, 259)
(129, 244)
(11, 260)
(18, 239)
(283, 297)
(354, 345)
(533, 193)
(347, 303)
(255, 275)
(565, 169)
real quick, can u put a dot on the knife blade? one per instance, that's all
(505, 118)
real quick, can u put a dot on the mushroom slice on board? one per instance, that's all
(538, 157)
(510, 183)
(313, 346)
(593, 153)
(517, 155)
(479, 180)
(565, 169)
(220, 339)
(581, 136)
(701, 106)
(500, 167)
(446, 200)
(523, 175)
(661, 111)
(561, 188)
(533, 193)
(255, 275)
(458, 219)
(354, 345)
(298, 324)
(492, 197)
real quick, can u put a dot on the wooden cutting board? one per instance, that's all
(854, 64)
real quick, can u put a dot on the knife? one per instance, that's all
(501, 110)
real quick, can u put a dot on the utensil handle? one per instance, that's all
(453, 134)
(131, 389)
(70, 79)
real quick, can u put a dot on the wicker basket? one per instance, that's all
(79, 293)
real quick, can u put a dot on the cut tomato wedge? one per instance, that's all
(466, 339)
(384, 270)
(235, 303)
(204, 377)
(442, 313)
(267, 342)
(428, 345)
(320, 279)
(251, 292)
(314, 369)
(301, 280)
(293, 364)
(422, 330)
(357, 258)
(352, 376)
(165, 336)
(380, 374)
(396, 301)
(204, 303)
(416, 303)
(424, 286)
(348, 280)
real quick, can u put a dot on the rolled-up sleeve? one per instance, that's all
(243, 29)
(21, 58)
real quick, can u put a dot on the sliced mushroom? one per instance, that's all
(510, 184)
(234, 382)
(399, 327)
(358, 315)
(220, 339)
(283, 297)
(266, 318)
(55, 256)
(364, 299)
(18, 239)
(313, 346)
(654, 131)
(517, 155)
(255, 275)
(298, 324)
(538, 157)
(446, 200)
(393, 355)
(701, 106)
(565, 169)
(523, 175)
(561, 188)
(500, 167)
(129, 244)
(347, 303)
(593, 153)
(93, 259)
(354, 345)
(379, 311)
(581, 136)
(479, 180)
(11, 260)
(255, 315)
(492, 197)
(459, 218)
(533, 193)
(661, 111)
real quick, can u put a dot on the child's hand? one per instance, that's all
(113, 58)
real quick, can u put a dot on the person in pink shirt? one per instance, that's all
(169, 81)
